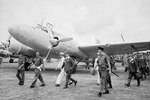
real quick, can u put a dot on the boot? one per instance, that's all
(99, 94)
(127, 84)
(138, 82)
(106, 92)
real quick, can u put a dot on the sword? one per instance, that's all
(115, 74)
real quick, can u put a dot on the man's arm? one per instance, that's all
(42, 63)
(108, 62)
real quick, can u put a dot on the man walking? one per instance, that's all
(133, 71)
(68, 68)
(20, 70)
(39, 65)
(60, 66)
(103, 62)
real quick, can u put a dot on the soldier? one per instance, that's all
(112, 63)
(103, 62)
(39, 65)
(68, 68)
(141, 62)
(20, 70)
(133, 71)
(60, 66)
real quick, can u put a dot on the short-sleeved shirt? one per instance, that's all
(38, 61)
(103, 59)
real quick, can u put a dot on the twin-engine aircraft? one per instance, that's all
(5, 53)
(50, 43)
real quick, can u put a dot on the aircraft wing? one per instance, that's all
(112, 49)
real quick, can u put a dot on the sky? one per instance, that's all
(84, 20)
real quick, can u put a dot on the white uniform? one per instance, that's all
(98, 76)
(62, 72)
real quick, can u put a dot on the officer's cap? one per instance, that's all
(100, 48)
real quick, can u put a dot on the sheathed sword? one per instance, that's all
(115, 74)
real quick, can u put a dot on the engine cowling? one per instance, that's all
(17, 47)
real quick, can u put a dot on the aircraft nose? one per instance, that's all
(13, 30)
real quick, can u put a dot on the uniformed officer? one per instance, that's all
(103, 62)
(68, 68)
(133, 71)
(60, 66)
(39, 65)
(20, 70)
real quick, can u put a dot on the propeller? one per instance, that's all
(53, 40)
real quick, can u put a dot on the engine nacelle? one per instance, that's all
(17, 47)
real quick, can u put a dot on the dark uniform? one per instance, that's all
(104, 73)
(38, 65)
(20, 70)
(68, 68)
(141, 62)
(133, 72)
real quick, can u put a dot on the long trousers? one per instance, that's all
(143, 73)
(98, 77)
(21, 76)
(135, 74)
(109, 80)
(38, 75)
(60, 76)
(68, 77)
(104, 83)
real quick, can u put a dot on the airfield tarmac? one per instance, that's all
(86, 88)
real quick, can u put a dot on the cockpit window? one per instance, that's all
(46, 28)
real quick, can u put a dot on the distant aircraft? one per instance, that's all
(49, 43)
(12, 47)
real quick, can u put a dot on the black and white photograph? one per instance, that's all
(74, 49)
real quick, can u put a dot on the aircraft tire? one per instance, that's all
(11, 60)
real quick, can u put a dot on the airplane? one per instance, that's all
(50, 43)
(5, 53)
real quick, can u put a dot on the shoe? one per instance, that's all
(106, 92)
(57, 85)
(127, 85)
(21, 84)
(42, 85)
(75, 83)
(138, 84)
(65, 87)
(70, 83)
(110, 87)
(32, 86)
(99, 94)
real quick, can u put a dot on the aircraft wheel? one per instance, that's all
(11, 60)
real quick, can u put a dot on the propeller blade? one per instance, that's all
(48, 53)
(9, 37)
(65, 39)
